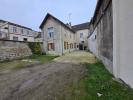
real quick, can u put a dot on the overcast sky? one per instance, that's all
(30, 13)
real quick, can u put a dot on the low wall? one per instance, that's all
(10, 50)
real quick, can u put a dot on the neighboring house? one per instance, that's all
(3, 30)
(111, 35)
(39, 37)
(58, 38)
(82, 31)
(11, 31)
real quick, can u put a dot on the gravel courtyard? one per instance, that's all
(45, 82)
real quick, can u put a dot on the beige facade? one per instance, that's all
(57, 37)
(11, 31)
(81, 38)
(82, 31)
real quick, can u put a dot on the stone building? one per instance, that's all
(82, 31)
(111, 35)
(12, 31)
(58, 38)
(39, 38)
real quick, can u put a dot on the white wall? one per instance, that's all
(123, 39)
(92, 43)
(21, 38)
(20, 35)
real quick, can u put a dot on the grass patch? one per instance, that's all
(99, 80)
(43, 58)
(15, 64)
(22, 63)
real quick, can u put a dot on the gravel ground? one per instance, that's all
(45, 82)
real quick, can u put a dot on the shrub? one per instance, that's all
(35, 47)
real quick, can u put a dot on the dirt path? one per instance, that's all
(44, 82)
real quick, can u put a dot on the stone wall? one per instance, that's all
(10, 50)
(101, 38)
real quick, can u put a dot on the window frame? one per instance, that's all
(50, 32)
(15, 38)
(14, 29)
(81, 35)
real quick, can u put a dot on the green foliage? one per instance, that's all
(99, 80)
(35, 47)
(43, 58)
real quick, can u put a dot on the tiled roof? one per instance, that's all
(81, 26)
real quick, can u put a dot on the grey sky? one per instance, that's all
(30, 13)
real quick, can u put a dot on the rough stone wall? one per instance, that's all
(107, 35)
(105, 38)
(103, 24)
(10, 50)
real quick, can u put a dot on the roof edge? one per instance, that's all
(50, 15)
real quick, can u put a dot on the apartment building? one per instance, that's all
(12, 31)
(58, 38)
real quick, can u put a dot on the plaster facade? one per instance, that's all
(61, 35)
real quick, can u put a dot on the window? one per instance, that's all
(6, 28)
(51, 32)
(15, 38)
(65, 45)
(51, 47)
(71, 45)
(14, 29)
(82, 42)
(95, 37)
(27, 32)
(25, 39)
(81, 35)
(22, 31)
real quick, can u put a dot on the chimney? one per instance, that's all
(69, 25)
